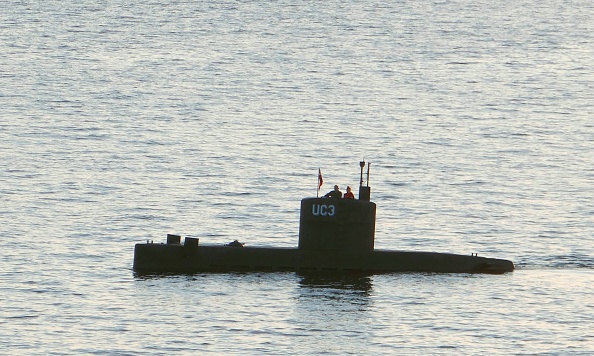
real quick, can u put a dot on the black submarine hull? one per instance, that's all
(335, 235)
(180, 258)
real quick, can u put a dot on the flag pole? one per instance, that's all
(320, 182)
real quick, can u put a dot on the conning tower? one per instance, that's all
(341, 225)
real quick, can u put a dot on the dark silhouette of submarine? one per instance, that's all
(335, 235)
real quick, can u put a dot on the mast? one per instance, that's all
(364, 190)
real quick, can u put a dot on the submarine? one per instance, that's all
(336, 235)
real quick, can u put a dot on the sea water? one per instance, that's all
(122, 121)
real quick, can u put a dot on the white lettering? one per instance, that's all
(315, 210)
(323, 210)
(331, 213)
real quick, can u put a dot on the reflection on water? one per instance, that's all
(359, 284)
(330, 292)
(356, 283)
(332, 305)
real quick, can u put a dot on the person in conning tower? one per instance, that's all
(336, 193)
(349, 194)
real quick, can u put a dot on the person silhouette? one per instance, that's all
(349, 194)
(336, 193)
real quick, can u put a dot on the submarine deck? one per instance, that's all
(158, 258)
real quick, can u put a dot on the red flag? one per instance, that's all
(320, 179)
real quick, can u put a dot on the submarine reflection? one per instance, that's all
(334, 304)
(363, 284)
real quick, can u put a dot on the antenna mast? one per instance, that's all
(364, 191)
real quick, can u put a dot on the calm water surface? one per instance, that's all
(122, 121)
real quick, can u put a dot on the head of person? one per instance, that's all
(348, 189)
(336, 187)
